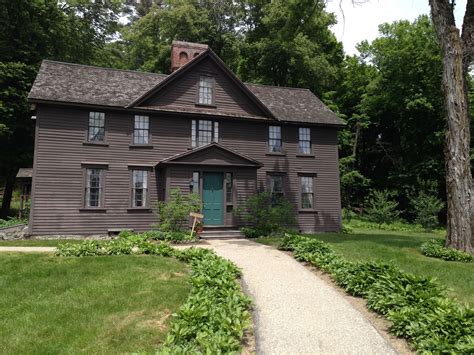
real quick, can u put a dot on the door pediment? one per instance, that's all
(212, 154)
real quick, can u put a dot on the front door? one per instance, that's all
(213, 199)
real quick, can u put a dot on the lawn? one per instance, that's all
(402, 249)
(110, 304)
(37, 243)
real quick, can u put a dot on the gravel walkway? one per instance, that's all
(28, 249)
(295, 311)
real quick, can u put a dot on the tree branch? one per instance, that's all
(468, 35)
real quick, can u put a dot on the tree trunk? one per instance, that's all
(457, 143)
(7, 194)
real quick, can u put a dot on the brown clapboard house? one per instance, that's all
(110, 143)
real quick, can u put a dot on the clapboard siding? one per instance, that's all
(58, 187)
(228, 96)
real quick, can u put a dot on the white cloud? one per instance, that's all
(359, 22)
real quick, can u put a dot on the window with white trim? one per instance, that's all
(204, 132)
(276, 187)
(141, 129)
(274, 139)
(305, 140)
(96, 129)
(139, 188)
(93, 191)
(206, 90)
(307, 195)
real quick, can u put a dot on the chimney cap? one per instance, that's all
(184, 44)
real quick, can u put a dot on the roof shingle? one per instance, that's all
(82, 84)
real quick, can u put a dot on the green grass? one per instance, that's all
(37, 243)
(402, 249)
(112, 304)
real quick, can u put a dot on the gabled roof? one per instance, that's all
(211, 154)
(59, 82)
(208, 53)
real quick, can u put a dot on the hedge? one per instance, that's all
(417, 307)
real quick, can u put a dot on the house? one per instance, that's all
(110, 143)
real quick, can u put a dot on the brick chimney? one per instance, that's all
(183, 52)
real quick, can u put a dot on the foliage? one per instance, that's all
(381, 208)
(174, 213)
(416, 306)
(266, 215)
(289, 43)
(354, 185)
(436, 249)
(12, 221)
(216, 314)
(174, 237)
(133, 244)
(396, 226)
(426, 206)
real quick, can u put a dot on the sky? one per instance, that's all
(361, 21)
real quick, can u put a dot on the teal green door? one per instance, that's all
(213, 199)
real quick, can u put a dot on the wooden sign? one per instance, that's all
(196, 215)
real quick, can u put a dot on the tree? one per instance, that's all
(32, 30)
(289, 43)
(458, 51)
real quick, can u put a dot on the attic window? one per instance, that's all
(206, 90)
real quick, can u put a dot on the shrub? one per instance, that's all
(346, 229)
(12, 221)
(174, 214)
(417, 307)
(426, 208)
(174, 237)
(266, 215)
(435, 248)
(381, 208)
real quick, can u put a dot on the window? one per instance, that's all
(141, 130)
(206, 90)
(228, 188)
(139, 188)
(276, 187)
(96, 127)
(274, 139)
(305, 140)
(307, 195)
(204, 132)
(195, 183)
(93, 187)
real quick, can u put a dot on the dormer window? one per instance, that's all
(206, 90)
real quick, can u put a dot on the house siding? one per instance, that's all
(229, 98)
(60, 155)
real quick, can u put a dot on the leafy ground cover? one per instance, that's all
(12, 221)
(215, 315)
(402, 249)
(119, 304)
(416, 306)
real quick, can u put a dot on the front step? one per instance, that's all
(222, 234)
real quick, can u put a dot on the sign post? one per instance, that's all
(196, 216)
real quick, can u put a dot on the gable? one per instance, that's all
(229, 97)
(212, 154)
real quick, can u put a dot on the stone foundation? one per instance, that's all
(19, 231)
